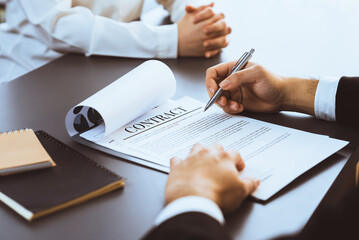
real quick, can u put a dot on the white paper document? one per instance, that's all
(274, 154)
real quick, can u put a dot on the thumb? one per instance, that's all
(190, 9)
(247, 75)
(250, 185)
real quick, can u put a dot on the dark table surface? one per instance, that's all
(41, 99)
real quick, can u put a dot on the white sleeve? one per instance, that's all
(176, 8)
(190, 204)
(325, 97)
(66, 28)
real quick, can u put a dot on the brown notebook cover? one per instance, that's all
(20, 151)
(75, 179)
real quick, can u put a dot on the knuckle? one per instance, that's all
(210, 28)
(224, 155)
(209, 11)
(203, 151)
(234, 77)
(242, 186)
(259, 69)
(209, 71)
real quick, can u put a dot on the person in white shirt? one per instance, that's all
(36, 32)
(207, 183)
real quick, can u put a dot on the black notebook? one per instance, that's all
(75, 179)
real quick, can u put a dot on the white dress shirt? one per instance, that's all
(39, 31)
(325, 95)
(324, 107)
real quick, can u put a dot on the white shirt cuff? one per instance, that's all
(190, 204)
(167, 41)
(325, 97)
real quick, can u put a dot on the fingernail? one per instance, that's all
(206, 44)
(221, 102)
(207, 55)
(233, 107)
(225, 83)
(211, 90)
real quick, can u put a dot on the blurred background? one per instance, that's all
(304, 38)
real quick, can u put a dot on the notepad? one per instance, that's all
(20, 151)
(75, 179)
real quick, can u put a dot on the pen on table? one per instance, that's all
(240, 64)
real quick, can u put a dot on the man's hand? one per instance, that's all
(256, 89)
(201, 32)
(212, 173)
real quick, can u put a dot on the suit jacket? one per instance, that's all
(347, 101)
(189, 226)
(337, 222)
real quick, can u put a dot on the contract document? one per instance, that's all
(274, 154)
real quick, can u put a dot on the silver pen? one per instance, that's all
(240, 64)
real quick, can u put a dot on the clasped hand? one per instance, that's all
(201, 32)
(212, 173)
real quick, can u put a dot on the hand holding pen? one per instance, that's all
(241, 63)
(254, 88)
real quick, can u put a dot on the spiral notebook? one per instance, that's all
(20, 151)
(75, 179)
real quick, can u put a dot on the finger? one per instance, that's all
(214, 19)
(196, 149)
(218, 28)
(216, 43)
(229, 106)
(212, 53)
(203, 15)
(224, 32)
(229, 30)
(220, 71)
(237, 159)
(191, 9)
(174, 162)
(233, 108)
(211, 86)
(249, 75)
(250, 185)
(222, 101)
(216, 146)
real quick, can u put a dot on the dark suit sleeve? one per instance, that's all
(347, 101)
(190, 225)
